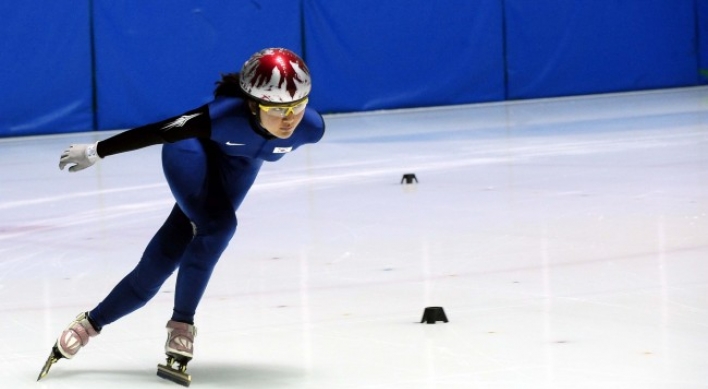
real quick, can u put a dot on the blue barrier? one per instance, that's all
(154, 61)
(560, 47)
(99, 64)
(372, 54)
(45, 68)
(702, 38)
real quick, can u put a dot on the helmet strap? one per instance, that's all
(256, 121)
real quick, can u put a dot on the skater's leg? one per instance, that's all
(199, 261)
(209, 193)
(209, 197)
(162, 256)
(160, 259)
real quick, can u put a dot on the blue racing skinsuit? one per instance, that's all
(211, 157)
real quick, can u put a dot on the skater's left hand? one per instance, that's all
(81, 155)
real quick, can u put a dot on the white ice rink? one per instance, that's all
(566, 240)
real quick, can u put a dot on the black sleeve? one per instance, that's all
(192, 124)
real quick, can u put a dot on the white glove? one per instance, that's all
(81, 155)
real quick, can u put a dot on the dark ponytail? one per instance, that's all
(230, 86)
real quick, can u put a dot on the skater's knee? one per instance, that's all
(218, 230)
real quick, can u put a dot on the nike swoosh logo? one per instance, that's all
(235, 144)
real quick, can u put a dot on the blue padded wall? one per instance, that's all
(97, 64)
(702, 38)
(562, 47)
(372, 54)
(158, 59)
(45, 68)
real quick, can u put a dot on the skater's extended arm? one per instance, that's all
(193, 124)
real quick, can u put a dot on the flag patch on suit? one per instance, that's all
(282, 150)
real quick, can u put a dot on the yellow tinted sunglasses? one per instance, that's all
(282, 111)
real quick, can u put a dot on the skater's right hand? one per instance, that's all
(81, 155)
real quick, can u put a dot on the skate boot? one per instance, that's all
(179, 348)
(72, 339)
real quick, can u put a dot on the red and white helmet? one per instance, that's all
(276, 75)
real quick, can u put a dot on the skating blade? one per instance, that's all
(53, 358)
(176, 376)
